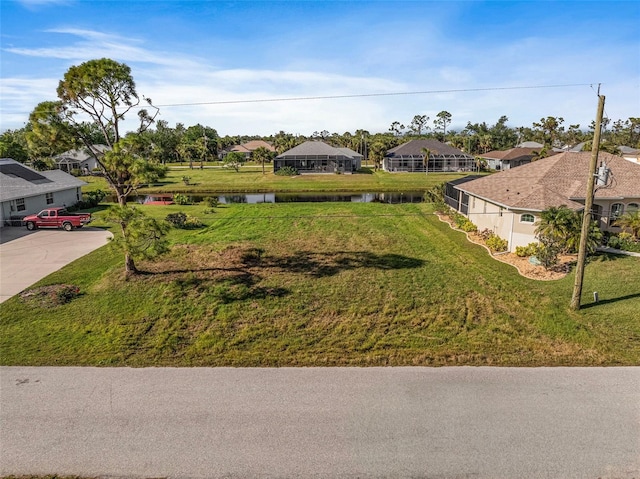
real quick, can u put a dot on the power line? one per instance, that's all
(366, 95)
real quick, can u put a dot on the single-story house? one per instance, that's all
(24, 191)
(80, 159)
(318, 157)
(410, 156)
(509, 203)
(504, 160)
(248, 148)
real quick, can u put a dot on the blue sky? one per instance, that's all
(186, 52)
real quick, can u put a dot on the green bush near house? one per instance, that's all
(496, 244)
(525, 251)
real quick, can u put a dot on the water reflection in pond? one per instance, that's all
(254, 198)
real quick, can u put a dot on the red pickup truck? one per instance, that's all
(57, 218)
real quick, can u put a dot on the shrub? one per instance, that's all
(525, 251)
(468, 226)
(547, 254)
(485, 234)
(183, 220)
(287, 171)
(496, 244)
(180, 199)
(76, 172)
(623, 241)
(186, 180)
(177, 219)
(90, 200)
(192, 222)
(212, 201)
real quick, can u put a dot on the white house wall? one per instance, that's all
(35, 204)
(504, 223)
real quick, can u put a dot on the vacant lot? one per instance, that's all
(324, 284)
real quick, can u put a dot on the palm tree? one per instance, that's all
(630, 221)
(425, 159)
(562, 226)
(558, 224)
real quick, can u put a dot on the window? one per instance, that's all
(527, 218)
(49, 197)
(20, 206)
(616, 211)
(632, 207)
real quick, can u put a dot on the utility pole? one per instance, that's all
(588, 205)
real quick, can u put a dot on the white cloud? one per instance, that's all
(37, 4)
(96, 44)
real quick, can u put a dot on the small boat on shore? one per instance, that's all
(158, 200)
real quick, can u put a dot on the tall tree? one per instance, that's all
(50, 133)
(396, 128)
(128, 166)
(418, 124)
(443, 119)
(104, 92)
(549, 130)
(13, 144)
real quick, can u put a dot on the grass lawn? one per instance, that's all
(324, 284)
(219, 180)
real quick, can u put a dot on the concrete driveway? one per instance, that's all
(28, 256)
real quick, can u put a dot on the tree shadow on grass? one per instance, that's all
(235, 274)
(320, 265)
(609, 301)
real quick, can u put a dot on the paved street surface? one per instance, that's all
(316, 422)
(28, 256)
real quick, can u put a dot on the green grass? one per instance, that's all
(210, 180)
(319, 284)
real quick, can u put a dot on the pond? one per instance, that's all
(316, 197)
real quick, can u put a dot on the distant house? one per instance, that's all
(630, 154)
(80, 159)
(24, 191)
(509, 203)
(318, 157)
(529, 144)
(410, 157)
(248, 148)
(504, 160)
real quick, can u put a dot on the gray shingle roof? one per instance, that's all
(414, 148)
(317, 148)
(513, 154)
(554, 181)
(82, 154)
(12, 187)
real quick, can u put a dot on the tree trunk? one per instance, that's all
(129, 265)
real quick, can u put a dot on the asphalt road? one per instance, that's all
(28, 256)
(321, 422)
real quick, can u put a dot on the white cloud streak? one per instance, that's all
(172, 78)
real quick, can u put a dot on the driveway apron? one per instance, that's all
(28, 256)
